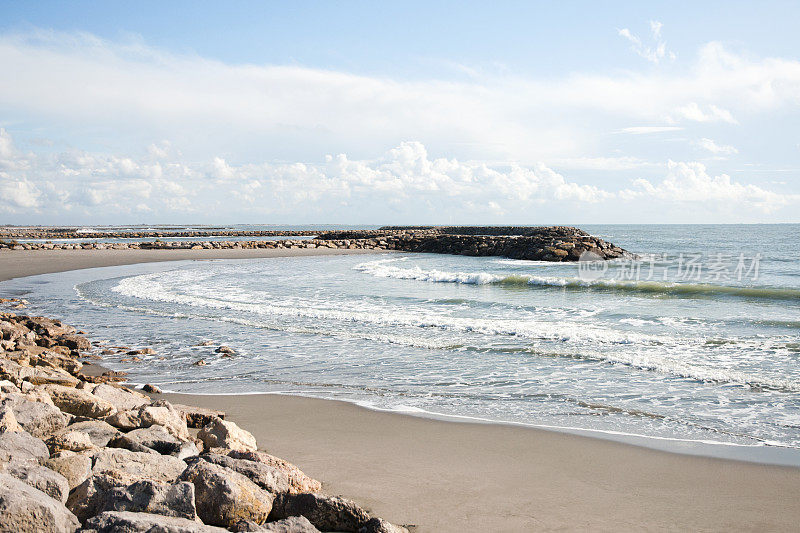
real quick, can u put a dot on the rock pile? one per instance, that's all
(85, 453)
(552, 243)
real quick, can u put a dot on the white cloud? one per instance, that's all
(691, 183)
(714, 148)
(710, 113)
(642, 130)
(655, 53)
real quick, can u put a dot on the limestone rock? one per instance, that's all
(74, 441)
(293, 524)
(267, 477)
(127, 522)
(327, 513)
(24, 509)
(198, 417)
(224, 497)
(152, 389)
(156, 438)
(36, 417)
(39, 477)
(79, 402)
(123, 399)
(224, 434)
(379, 525)
(161, 413)
(108, 493)
(6, 387)
(75, 342)
(21, 446)
(8, 422)
(138, 464)
(42, 375)
(75, 468)
(14, 372)
(298, 480)
(98, 431)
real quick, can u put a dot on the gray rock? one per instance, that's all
(76, 468)
(224, 497)
(70, 440)
(105, 492)
(224, 434)
(327, 513)
(298, 480)
(37, 418)
(24, 509)
(159, 413)
(122, 398)
(198, 417)
(43, 375)
(126, 522)
(138, 464)
(79, 402)
(21, 446)
(293, 524)
(39, 477)
(157, 438)
(8, 422)
(379, 525)
(267, 477)
(99, 432)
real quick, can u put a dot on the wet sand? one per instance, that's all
(451, 476)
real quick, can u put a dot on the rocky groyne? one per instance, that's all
(548, 243)
(80, 451)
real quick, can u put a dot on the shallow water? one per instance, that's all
(699, 356)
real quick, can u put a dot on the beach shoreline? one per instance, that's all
(456, 476)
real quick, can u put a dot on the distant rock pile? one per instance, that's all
(547, 243)
(81, 452)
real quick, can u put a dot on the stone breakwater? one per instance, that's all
(552, 243)
(80, 452)
(43, 233)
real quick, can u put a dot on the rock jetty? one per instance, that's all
(547, 243)
(84, 453)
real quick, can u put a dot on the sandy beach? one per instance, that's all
(453, 476)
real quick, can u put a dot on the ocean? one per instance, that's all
(696, 341)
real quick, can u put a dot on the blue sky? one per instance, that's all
(420, 112)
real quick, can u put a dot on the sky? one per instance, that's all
(399, 113)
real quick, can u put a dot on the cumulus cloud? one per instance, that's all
(654, 53)
(717, 149)
(710, 113)
(689, 182)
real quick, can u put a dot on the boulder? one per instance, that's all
(224, 434)
(36, 417)
(298, 480)
(8, 422)
(99, 432)
(79, 402)
(39, 477)
(327, 513)
(123, 399)
(75, 342)
(198, 417)
(267, 477)
(47, 327)
(25, 509)
(6, 387)
(156, 438)
(293, 524)
(105, 492)
(127, 522)
(75, 468)
(224, 497)
(43, 375)
(56, 359)
(21, 446)
(14, 372)
(161, 413)
(152, 389)
(71, 440)
(379, 525)
(138, 464)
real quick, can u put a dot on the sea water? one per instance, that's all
(698, 340)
